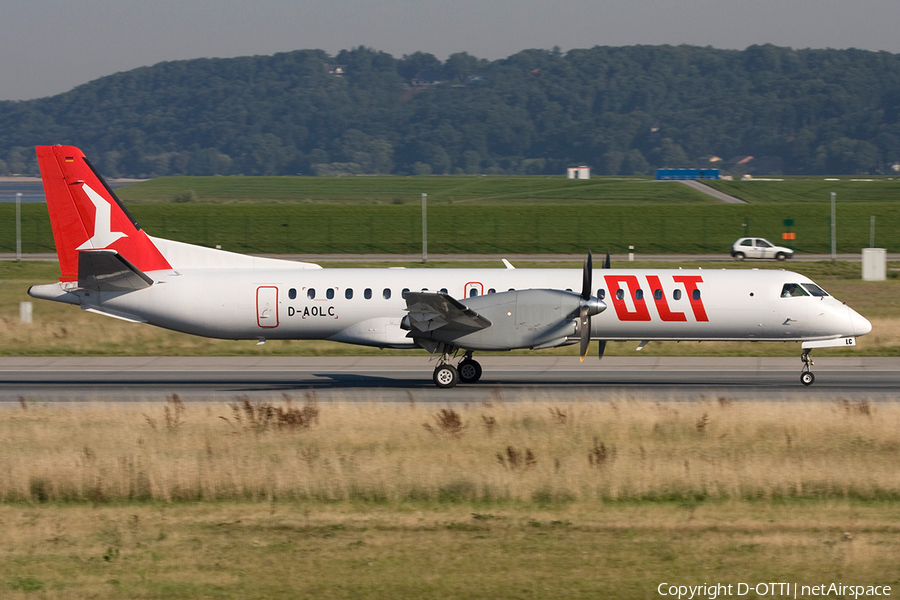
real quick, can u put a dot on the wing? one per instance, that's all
(434, 310)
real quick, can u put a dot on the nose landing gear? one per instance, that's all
(806, 375)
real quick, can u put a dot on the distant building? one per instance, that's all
(336, 70)
(579, 172)
(686, 174)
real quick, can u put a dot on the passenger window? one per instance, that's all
(473, 292)
(311, 293)
(367, 294)
(511, 289)
(601, 294)
(747, 243)
(695, 294)
(620, 294)
(444, 291)
(386, 293)
(348, 293)
(568, 289)
(792, 290)
(403, 293)
(329, 293)
(676, 295)
(657, 295)
(292, 294)
(815, 290)
(639, 294)
(492, 291)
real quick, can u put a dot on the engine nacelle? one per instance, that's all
(519, 319)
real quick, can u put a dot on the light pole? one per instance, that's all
(424, 228)
(833, 235)
(19, 227)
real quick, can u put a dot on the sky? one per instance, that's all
(50, 46)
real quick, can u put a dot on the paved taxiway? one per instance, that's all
(39, 379)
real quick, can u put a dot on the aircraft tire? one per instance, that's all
(807, 378)
(445, 376)
(469, 371)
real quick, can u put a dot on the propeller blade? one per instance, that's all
(606, 262)
(586, 278)
(585, 317)
(602, 348)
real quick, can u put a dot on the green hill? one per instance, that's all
(621, 110)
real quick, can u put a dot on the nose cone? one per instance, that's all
(861, 325)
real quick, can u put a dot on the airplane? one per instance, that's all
(112, 267)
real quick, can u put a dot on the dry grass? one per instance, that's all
(288, 550)
(527, 500)
(626, 450)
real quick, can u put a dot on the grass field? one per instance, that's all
(487, 229)
(61, 329)
(515, 215)
(496, 190)
(812, 190)
(597, 499)
(409, 190)
(604, 498)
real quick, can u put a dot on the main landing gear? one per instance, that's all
(806, 376)
(447, 376)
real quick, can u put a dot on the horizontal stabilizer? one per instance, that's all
(431, 310)
(108, 271)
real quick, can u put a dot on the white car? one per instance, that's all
(759, 248)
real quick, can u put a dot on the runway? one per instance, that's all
(405, 379)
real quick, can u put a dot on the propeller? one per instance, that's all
(606, 265)
(588, 306)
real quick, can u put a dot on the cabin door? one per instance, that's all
(267, 306)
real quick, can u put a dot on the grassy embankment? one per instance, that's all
(62, 329)
(543, 500)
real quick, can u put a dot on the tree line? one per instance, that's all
(620, 110)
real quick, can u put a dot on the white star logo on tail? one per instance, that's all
(103, 235)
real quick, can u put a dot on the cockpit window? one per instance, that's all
(815, 290)
(792, 290)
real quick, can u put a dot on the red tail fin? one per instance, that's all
(87, 215)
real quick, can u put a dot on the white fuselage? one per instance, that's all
(286, 302)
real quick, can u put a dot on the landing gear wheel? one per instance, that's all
(806, 376)
(445, 376)
(469, 371)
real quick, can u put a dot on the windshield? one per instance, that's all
(815, 290)
(792, 290)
